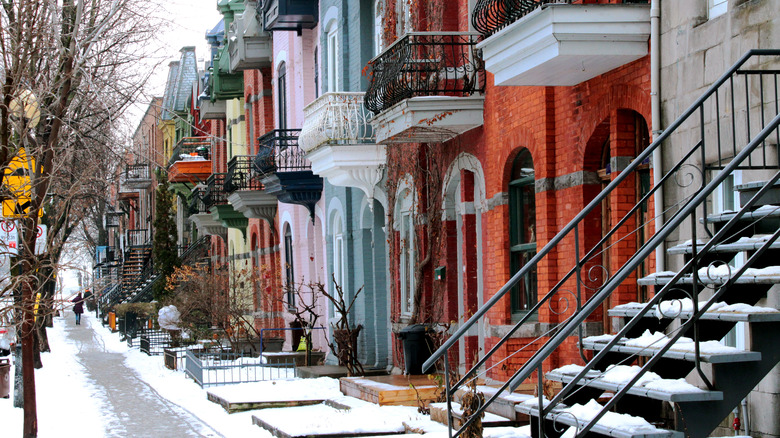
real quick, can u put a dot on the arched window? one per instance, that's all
(404, 224)
(316, 74)
(281, 91)
(289, 273)
(522, 229)
(333, 56)
(338, 250)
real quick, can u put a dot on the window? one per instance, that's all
(522, 229)
(378, 26)
(716, 8)
(407, 261)
(333, 58)
(404, 17)
(724, 200)
(338, 250)
(281, 91)
(289, 273)
(316, 75)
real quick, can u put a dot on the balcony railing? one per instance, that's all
(192, 146)
(241, 174)
(138, 237)
(336, 118)
(490, 16)
(112, 218)
(196, 202)
(278, 151)
(138, 171)
(425, 64)
(215, 191)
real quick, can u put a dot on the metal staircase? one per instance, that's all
(725, 268)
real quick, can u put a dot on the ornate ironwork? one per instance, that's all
(490, 16)
(215, 191)
(425, 64)
(336, 118)
(138, 171)
(278, 151)
(196, 202)
(241, 174)
(139, 237)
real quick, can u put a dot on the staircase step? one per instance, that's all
(594, 379)
(744, 244)
(632, 309)
(761, 212)
(748, 190)
(716, 276)
(713, 357)
(504, 404)
(612, 424)
(439, 415)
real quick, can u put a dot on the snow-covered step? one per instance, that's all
(650, 385)
(611, 424)
(683, 309)
(743, 244)
(650, 344)
(504, 404)
(717, 275)
(761, 212)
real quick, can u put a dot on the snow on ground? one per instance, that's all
(68, 400)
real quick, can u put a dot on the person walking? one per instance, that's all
(78, 307)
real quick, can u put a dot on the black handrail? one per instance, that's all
(137, 237)
(196, 202)
(490, 16)
(278, 151)
(425, 64)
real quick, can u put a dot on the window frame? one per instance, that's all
(281, 95)
(332, 46)
(518, 219)
(289, 267)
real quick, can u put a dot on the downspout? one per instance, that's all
(655, 104)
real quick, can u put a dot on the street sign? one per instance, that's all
(9, 238)
(40, 240)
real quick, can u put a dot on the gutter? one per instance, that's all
(655, 104)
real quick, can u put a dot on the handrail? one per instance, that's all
(572, 323)
(569, 228)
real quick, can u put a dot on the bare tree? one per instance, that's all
(66, 68)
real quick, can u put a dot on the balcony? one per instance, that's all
(245, 191)
(216, 202)
(285, 171)
(549, 43)
(209, 110)
(137, 237)
(290, 15)
(190, 161)
(112, 219)
(223, 84)
(137, 176)
(339, 142)
(426, 87)
(201, 217)
(249, 46)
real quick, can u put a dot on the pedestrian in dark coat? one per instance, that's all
(78, 307)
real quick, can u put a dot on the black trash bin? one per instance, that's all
(417, 347)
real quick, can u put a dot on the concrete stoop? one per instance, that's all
(233, 407)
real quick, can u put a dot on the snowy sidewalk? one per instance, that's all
(137, 409)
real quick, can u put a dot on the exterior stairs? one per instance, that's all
(135, 270)
(664, 371)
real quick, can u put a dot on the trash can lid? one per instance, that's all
(415, 328)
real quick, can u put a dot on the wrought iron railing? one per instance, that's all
(196, 252)
(278, 151)
(336, 118)
(241, 174)
(112, 218)
(425, 64)
(215, 191)
(137, 172)
(490, 16)
(193, 146)
(139, 237)
(729, 129)
(196, 201)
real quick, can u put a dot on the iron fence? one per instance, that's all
(425, 64)
(241, 174)
(212, 368)
(278, 151)
(154, 341)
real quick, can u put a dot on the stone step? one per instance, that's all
(717, 357)
(632, 309)
(439, 415)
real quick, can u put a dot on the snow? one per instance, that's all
(662, 274)
(758, 238)
(169, 317)
(673, 308)
(726, 271)
(766, 209)
(624, 422)
(571, 369)
(621, 374)
(309, 389)
(746, 308)
(676, 386)
(658, 340)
